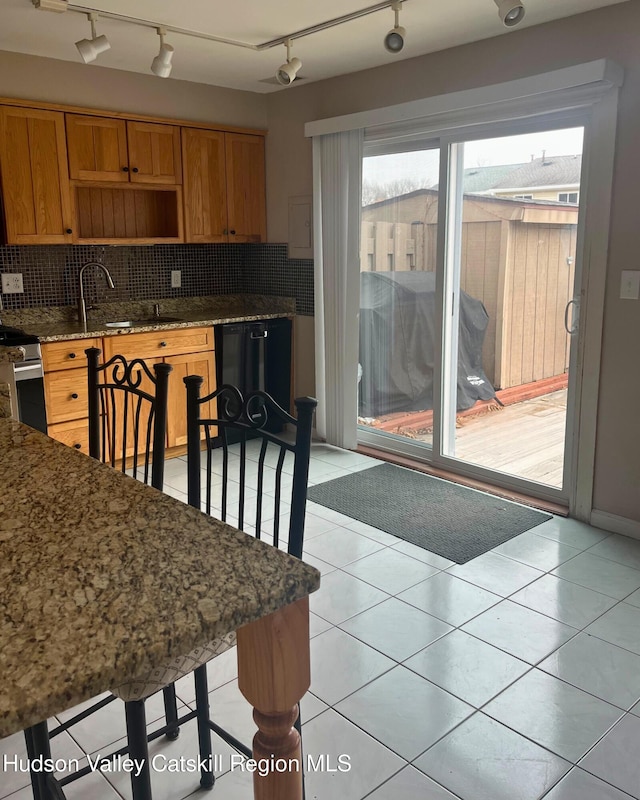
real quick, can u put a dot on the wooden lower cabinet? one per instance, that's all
(73, 434)
(65, 383)
(66, 395)
(192, 364)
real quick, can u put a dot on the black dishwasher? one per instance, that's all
(256, 356)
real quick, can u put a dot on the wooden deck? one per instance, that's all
(525, 439)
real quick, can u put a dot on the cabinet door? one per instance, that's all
(205, 193)
(245, 187)
(154, 153)
(97, 148)
(193, 364)
(35, 183)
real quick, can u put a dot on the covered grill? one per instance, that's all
(398, 344)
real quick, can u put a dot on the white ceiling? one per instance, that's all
(431, 25)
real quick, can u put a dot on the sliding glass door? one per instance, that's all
(398, 337)
(469, 303)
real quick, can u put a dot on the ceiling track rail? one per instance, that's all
(280, 40)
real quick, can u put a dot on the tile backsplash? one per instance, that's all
(50, 273)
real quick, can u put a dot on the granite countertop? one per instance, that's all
(102, 577)
(56, 324)
(11, 355)
(8, 355)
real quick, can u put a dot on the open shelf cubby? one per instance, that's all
(123, 214)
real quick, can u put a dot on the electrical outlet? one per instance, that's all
(12, 283)
(176, 278)
(630, 284)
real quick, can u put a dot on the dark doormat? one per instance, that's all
(448, 519)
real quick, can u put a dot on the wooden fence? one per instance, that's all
(521, 267)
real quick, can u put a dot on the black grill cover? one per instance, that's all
(397, 344)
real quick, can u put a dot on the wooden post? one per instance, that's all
(273, 674)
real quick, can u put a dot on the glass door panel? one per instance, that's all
(399, 340)
(509, 286)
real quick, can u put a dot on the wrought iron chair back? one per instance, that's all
(278, 467)
(128, 415)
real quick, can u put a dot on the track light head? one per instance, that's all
(90, 49)
(161, 64)
(286, 73)
(394, 40)
(511, 12)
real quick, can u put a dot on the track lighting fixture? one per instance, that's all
(90, 49)
(161, 64)
(511, 12)
(394, 40)
(286, 74)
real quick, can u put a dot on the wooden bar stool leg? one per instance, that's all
(273, 674)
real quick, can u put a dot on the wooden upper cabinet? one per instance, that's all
(35, 182)
(245, 187)
(154, 153)
(205, 187)
(97, 148)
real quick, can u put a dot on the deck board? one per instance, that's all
(525, 439)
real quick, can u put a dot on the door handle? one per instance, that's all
(260, 335)
(574, 323)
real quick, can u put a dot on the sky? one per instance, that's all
(423, 164)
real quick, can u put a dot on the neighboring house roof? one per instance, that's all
(548, 171)
(552, 171)
(480, 179)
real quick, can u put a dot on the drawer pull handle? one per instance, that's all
(135, 169)
(74, 396)
(163, 344)
(125, 169)
(78, 446)
(72, 355)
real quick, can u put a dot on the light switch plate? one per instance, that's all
(12, 283)
(176, 279)
(630, 284)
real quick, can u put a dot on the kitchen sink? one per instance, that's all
(131, 323)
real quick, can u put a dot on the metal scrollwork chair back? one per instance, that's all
(251, 482)
(128, 415)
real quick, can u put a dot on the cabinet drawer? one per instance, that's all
(73, 434)
(66, 355)
(159, 343)
(66, 395)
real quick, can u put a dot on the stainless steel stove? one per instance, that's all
(25, 378)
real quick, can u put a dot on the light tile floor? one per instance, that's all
(515, 676)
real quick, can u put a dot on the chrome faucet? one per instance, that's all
(82, 308)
